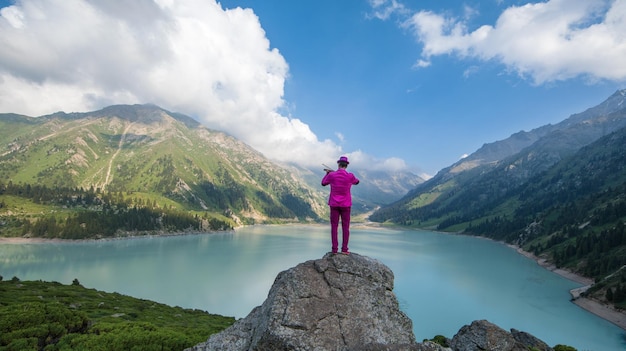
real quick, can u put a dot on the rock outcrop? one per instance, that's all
(339, 302)
(346, 303)
(483, 335)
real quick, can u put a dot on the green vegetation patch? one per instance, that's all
(37, 315)
(430, 197)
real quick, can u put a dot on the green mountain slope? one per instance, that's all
(482, 181)
(559, 192)
(150, 155)
(573, 214)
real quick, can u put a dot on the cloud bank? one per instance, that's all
(545, 41)
(190, 56)
(215, 64)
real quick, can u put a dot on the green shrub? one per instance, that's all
(25, 344)
(126, 336)
(441, 340)
(46, 323)
(37, 315)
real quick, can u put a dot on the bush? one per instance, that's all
(39, 323)
(125, 336)
(441, 340)
(37, 315)
(564, 348)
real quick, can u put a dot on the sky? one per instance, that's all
(393, 84)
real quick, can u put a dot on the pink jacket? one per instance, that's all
(340, 183)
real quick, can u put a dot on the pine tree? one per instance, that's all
(609, 295)
(618, 296)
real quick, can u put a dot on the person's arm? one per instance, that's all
(326, 180)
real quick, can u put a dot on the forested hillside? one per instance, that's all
(80, 214)
(562, 196)
(574, 213)
(99, 169)
(137, 168)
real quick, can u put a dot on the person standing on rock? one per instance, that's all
(340, 202)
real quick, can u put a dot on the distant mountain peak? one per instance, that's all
(491, 153)
(146, 113)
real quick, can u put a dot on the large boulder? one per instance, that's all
(483, 335)
(339, 302)
(346, 303)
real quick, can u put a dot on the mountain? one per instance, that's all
(558, 191)
(384, 187)
(147, 153)
(143, 156)
(567, 136)
(377, 188)
(489, 173)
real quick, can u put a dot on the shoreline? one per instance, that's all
(23, 240)
(601, 310)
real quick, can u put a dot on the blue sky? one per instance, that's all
(393, 84)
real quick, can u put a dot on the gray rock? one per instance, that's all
(530, 341)
(339, 302)
(483, 335)
(346, 303)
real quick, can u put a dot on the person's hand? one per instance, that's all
(328, 170)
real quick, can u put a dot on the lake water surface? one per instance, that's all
(442, 281)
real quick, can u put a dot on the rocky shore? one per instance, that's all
(123, 236)
(601, 310)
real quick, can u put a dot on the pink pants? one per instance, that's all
(344, 213)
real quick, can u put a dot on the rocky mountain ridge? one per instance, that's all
(580, 129)
(497, 169)
(172, 160)
(165, 157)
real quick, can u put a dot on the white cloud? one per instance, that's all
(470, 71)
(394, 164)
(13, 16)
(544, 41)
(340, 136)
(383, 9)
(421, 63)
(365, 161)
(187, 56)
(469, 12)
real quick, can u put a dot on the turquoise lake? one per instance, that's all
(442, 281)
